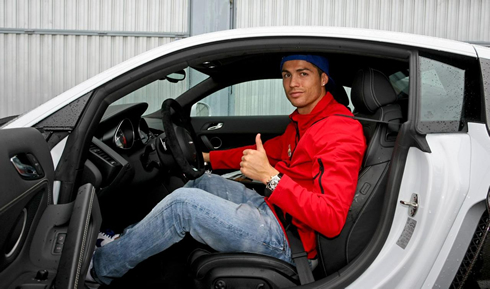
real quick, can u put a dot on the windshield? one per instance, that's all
(156, 92)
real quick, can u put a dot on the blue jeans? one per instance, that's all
(220, 213)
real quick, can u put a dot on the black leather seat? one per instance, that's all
(240, 270)
(375, 105)
(373, 98)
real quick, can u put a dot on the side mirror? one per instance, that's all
(200, 109)
(176, 76)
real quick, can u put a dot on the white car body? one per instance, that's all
(448, 203)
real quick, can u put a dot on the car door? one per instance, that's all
(41, 243)
(440, 199)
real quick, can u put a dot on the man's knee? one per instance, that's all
(186, 195)
(195, 183)
(180, 194)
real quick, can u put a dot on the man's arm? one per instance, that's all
(205, 156)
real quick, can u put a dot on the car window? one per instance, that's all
(450, 93)
(400, 82)
(442, 91)
(442, 88)
(259, 97)
(252, 98)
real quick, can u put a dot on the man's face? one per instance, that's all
(303, 86)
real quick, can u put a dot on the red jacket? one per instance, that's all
(320, 155)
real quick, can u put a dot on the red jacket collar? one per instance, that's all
(319, 111)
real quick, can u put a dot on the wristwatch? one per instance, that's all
(273, 181)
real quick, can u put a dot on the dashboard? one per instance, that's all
(115, 154)
(122, 126)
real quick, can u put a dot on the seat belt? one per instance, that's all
(300, 257)
(393, 125)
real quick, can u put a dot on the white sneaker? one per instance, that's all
(105, 238)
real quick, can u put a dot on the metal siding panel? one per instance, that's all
(39, 67)
(58, 14)
(3, 13)
(485, 23)
(107, 15)
(47, 14)
(3, 100)
(453, 19)
(46, 68)
(22, 69)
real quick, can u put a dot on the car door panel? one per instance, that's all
(41, 242)
(225, 132)
(23, 196)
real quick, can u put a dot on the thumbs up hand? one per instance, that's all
(255, 164)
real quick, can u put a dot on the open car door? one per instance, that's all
(41, 244)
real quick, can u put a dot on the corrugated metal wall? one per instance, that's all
(465, 20)
(49, 46)
(107, 15)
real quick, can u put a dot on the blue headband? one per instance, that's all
(319, 61)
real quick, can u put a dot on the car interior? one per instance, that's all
(139, 148)
(132, 170)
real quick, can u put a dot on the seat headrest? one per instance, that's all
(371, 89)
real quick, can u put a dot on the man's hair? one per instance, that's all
(318, 69)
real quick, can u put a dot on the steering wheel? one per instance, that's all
(181, 140)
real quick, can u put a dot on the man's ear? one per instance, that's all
(324, 79)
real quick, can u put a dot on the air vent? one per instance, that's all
(101, 154)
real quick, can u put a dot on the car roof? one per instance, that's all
(379, 36)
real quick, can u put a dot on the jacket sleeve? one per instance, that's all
(231, 158)
(336, 148)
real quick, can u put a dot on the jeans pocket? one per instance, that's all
(277, 245)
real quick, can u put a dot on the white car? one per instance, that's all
(96, 157)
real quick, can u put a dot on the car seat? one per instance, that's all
(375, 105)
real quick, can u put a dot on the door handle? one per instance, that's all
(216, 126)
(27, 166)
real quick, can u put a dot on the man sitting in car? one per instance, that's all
(310, 173)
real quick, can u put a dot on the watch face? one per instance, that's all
(272, 184)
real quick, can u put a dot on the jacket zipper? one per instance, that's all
(296, 138)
